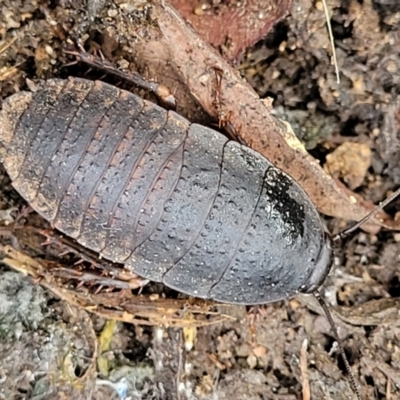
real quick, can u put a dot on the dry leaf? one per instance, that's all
(232, 26)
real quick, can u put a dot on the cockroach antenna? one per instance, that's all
(322, 302)
(371, 214)
(328, 314)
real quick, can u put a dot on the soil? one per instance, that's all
(52, 349)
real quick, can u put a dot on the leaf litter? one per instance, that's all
(222, 361)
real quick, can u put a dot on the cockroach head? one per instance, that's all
(322, 266)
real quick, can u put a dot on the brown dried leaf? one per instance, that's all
(373, 312)
(232, 26)
(383, 311)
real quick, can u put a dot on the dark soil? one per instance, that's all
(45, 341)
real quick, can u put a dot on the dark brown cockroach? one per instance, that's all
(174, 202)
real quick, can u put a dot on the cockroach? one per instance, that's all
(173, 201)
